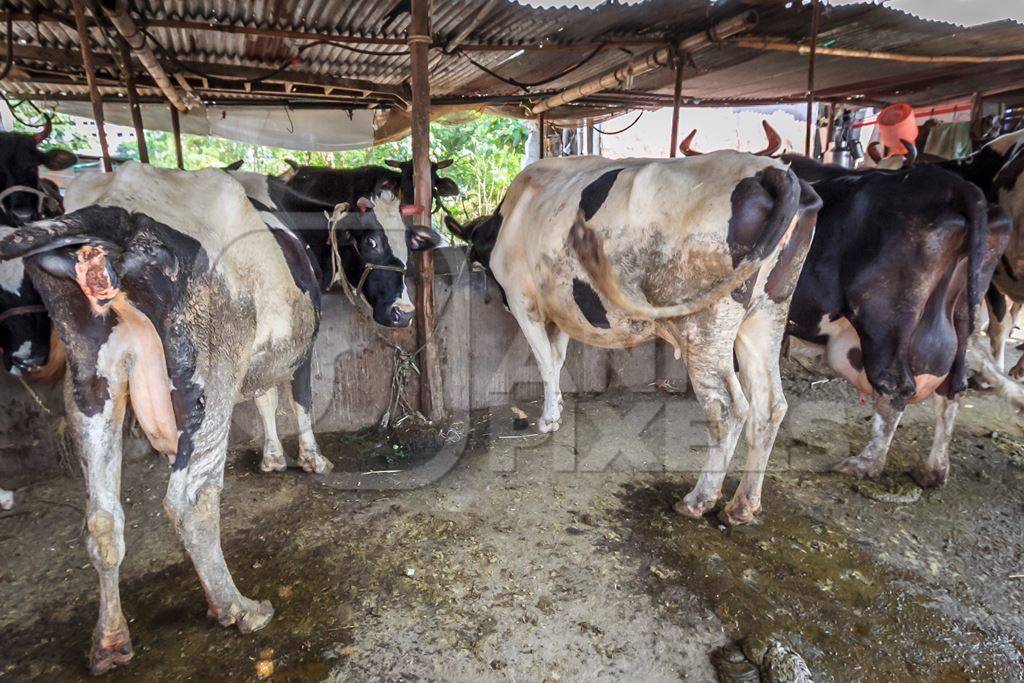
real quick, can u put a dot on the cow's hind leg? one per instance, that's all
(549, 352)
(757, 350)
(98, 438)
(934, 471)
(710, 366)
(1001, 314)
(871, 461)
(310, 458)
(273, 452)
(193, 504)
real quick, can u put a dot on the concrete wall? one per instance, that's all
(486, 363)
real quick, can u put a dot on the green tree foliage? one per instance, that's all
(27, 119)
(487, 152)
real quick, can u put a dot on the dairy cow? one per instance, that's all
(702, 252)
(888, 291)
(169, 292)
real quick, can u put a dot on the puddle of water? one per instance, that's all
(811, 587)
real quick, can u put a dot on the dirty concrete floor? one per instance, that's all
(555, 558)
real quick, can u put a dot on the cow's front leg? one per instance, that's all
(6, 499)
(98, 438)
(720, 395)
(310, 457)
(871, 461)
(193, 504)
(934, 471)
(549, 352)
(273, 452)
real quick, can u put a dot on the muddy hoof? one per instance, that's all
(103, 658)
(736, 514)
(248, 615)
(693, 507)
(928, 478)
(859, 467)
(547, 425)
(314, 463)
(733, 666)
(273, 461)
(1017, 372)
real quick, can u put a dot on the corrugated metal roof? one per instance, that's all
(222, 38)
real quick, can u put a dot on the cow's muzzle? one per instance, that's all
(400, 316)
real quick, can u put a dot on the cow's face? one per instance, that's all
(20, 159)
(24, 337)
(378, 255)
(440, 186)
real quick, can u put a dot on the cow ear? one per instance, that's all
(392, 163)
(421, 239)
(364, 204)
(446, 187)
(58, 159)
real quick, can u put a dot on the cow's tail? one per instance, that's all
(976, 211)
(48, 235)
(782, 185)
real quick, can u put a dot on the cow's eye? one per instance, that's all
(371, 243)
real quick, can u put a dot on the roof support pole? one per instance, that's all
(176, 130)
(650, 61)
(677, 98)
(117, 12)
(543, 134)
(90, 79)
(133, 101)
(431, 389)
(811, 124)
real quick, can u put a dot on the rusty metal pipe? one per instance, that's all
(117, 12)
(650, 61)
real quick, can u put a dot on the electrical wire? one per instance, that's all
(621, 130)
(522, 85)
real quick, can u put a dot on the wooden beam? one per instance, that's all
(431, 389)
(782, 46)
(677, 97)
(179, 153)
(133, 101)
(90, 79)
(815, 24)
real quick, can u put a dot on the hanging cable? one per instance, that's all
(522, 85)
(621, 130)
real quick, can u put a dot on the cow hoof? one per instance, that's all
(315, 463)
(694, 506)
(273, 461)
(859, 467)
(736, 514)
(1017, 372)
(928, 478)
(110, 651)
(546, 425)
(248, 615)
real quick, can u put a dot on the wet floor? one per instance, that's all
(512, 566)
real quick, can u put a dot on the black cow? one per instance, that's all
(898, 263)
(24, 325)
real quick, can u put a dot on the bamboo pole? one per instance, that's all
(431, 389)
(176, 130)
(811, 124)
(650, 61)
(133, 101)
(782, 46)
(677, 98)
(90, 79)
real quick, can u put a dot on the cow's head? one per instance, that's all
(440, 186)
(774, 142)
(375, 255)
(20, 159)
(418, 237)
(24, 328)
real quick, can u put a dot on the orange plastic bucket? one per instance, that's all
(897, 122)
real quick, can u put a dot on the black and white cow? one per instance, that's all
(701, 252)
(24, 327)
(372, 267)
(168, 291)
(899, 261)
(998, 169)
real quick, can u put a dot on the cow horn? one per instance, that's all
(443, 164)
(774, 140)
(45, 132)
(911, 156)
(294, 164)
(873, 152)
(392, 163)
(684, 146)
